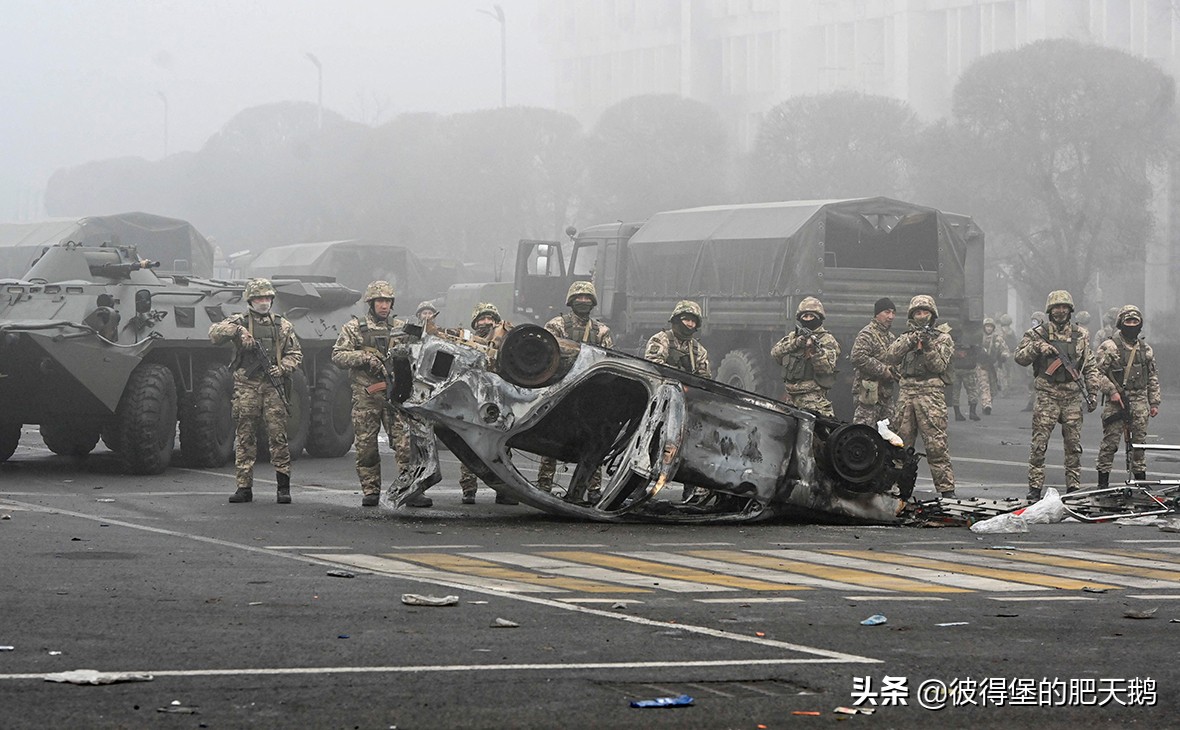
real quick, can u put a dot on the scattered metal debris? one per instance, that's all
(416, 599)
(341, 574)
(875, 620)
(503, 623)
(1146, 613)
(679, 701)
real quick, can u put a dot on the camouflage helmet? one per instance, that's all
(1128, 310)
(922, 301)
(426, 305)
(1005, 320)
(1111, 315)
(484, 308)
(1082, 317)
(259, 288)
(686, 306)
(581, 287)
(378, 290)
(813, 305)
(989, 320)
(1060, 296)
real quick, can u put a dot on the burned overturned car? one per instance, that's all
(500, 404)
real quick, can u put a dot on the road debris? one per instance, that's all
(1088, 589)
(679, 701)
(1146, 613)
(954, 623)
(875, 620)
(93, 676)
(417, 599)
(503, 623)
(341, 574)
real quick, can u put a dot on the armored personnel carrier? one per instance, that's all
(95, 344)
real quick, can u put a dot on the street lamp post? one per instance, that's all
(164, 98)
(320, 91)
(498, 16)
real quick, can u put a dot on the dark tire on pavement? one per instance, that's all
(110, 435)
(206, 422)
(747, 370)
(147, 419)
(69, 439)
(330, 432)
(9, 439)
(297, 419)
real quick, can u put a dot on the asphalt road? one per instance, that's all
(232, 611)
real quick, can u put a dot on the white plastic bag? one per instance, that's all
(1005, 523)
(889, 435)
(1047, 510)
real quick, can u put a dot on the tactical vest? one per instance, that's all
(797, 368)
(1134, 372)
(575, 331)
(376, 338)
(1061, 375)
(682, 360)
(266, 331)
(915, 367)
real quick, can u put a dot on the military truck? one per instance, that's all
(95, 344)
(750, 265)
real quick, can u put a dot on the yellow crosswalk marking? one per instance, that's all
(1145, 555)
(647, 567)
(827, 572)
(1017, 576)
(1092, 565)
(486, 569)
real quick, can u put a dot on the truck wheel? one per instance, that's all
(9, 439)
(207, 423)
(746, 370)
(297, 420)
(69, 439)
(330, 433)
(147, 419)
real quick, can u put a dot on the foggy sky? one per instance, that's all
(82, 78)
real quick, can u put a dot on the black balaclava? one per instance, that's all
(681, 331)
(582, 309)
(1131, 333)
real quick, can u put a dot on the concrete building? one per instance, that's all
(745, 56)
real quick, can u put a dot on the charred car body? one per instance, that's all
(647, 424)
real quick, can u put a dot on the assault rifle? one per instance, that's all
(925, 333)
(810, 341)
(1063, 360)
(261, 363)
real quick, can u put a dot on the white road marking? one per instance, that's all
(1114, 559)
(571, 569)
(611, 601)
(1041, 598)
(307, 547)
(403, 569)
(433, 547)
(560, 545)
(824, 655)
(754, 599)
(690, 544)
(748, 571)
(936, 577)
(1157, 597)
(894, 598)
(1054, 570)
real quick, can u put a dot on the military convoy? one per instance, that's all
(96, 344)
(749, 266)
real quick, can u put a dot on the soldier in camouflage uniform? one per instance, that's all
(993, 358)
(922, 357)
(362, 348)
(808, 356)
(1108, 326)
(1058, 394)
(874, 383)
(579, 326)
(1131, 384)
(679, 348)
(255, 398)
(963, 375)
(484, 319)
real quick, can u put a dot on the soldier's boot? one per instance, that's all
(420, 500)
(948, 494)
(987, 410)
(505, 499)
(959, 414)
(1034, 494)
(1072, 488)
(244, 494)
(1103, 479)
(371, 500)
(284, 493)
(1140, 476)
(974, 415)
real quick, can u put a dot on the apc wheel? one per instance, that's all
(207, 423)
(69, 440)
(297, 419)
(746, 370)
(330, 432)
(9, 439)
(147, 419)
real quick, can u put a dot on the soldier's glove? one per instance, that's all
(1091, 404)
(374, 364)
(275, 371)
(244, 337)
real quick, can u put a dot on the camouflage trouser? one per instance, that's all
(468, 482)
(813, 399)
(964, 379)
(922, 410)
(254, 401)
(1112, 433)
(548, 469)
(879, 411)
(984, 378)
(1051, 408)
(367, 423)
